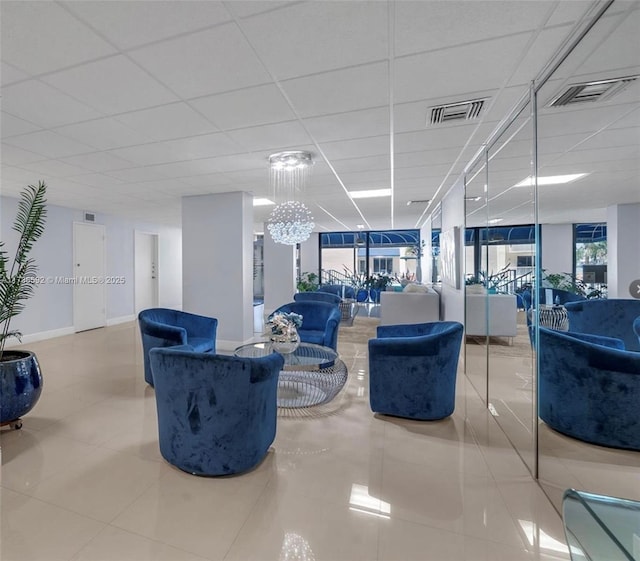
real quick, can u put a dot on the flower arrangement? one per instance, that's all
(284, 324)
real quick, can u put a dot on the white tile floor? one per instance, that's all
(84, 480)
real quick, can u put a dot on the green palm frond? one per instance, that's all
(16, 285)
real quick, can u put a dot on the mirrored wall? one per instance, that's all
(568, 155)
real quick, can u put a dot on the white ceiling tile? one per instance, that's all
(360, 164)
(10, 74)
(444, 136)
(136, 175)
(49, 144)
(334, 35)
(248, 8)
(200, 64)
(43, 105)
(569, 12)
(132, 23)
(94, 84)
(55, 168)
(104, 134)
(146, 154)
(184, 169)
(271, 137)
(14, 156)
(208, 180)
(176, 120)
(484, 66)
(375, 146)
(203, 146)
(41, 37)
(340, 90)
(259, 105)
(17, 175)
(98, 161)
(11, 126)
(240, 161)
(97, 180)
(429, 26)
(355, 124)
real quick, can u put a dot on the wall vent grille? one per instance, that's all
(460, 111)
(599, 90)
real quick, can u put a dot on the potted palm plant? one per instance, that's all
(20, 377)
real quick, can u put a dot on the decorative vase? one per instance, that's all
(20, 385)
(285, 343)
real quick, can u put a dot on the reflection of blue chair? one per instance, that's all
(362, 295)
(317, 297)
(562, 296)
(161, 327)
(216, 413)
(412, 369)
(610, 318)
(589, 388)
(636, 328)
(320, 322)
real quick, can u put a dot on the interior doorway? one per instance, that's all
(146, 271)
(89, 270)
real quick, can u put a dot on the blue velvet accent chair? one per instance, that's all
(339, 290)
(161, 327)
(589, 388)
(216, 413)
(317, 297)
(320, 321)
(610, 318)
(412, 369)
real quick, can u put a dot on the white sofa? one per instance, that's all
(409, 307)
(502, 315)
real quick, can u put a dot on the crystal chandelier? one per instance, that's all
(290, 221)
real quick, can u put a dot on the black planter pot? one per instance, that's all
(20, 385)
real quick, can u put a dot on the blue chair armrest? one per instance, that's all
(611, 342)
(405, 330)
(168, 332)
(197, 325)
(265, 368)
(425, 345)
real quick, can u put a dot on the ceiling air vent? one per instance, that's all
(423, 202)
(591, 91)
(461, 111)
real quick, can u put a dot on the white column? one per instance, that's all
(623, 248)
(310, 255)
(217, 262)
(557, 248)
(279, 273)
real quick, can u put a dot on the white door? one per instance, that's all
(146, 271)
(89, 269)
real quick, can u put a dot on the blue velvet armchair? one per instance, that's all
(338, 289)
(161, 327)
(317, 297)
(216, 413)
(412, 369)
(589, 388)
(612, 317)
(320, 321)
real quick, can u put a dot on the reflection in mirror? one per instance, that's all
(510, 254)
(588, 158)
(475, 355)
(436, 228)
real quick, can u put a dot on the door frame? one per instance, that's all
(156, 255)
(104, 269)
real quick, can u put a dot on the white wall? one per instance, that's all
(557, 248)
(279, 273)
(623, 248)
(50, 311)
(310, 254)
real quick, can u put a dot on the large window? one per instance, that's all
(383, 265)
(591, 254)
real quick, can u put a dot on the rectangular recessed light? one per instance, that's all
(551, 179)
(370, 193)
(474, 199)
(262, 202)
(495, 220)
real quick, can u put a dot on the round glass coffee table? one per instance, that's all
(312, 374)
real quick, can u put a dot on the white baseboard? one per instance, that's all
(42, 335)
(121, 319)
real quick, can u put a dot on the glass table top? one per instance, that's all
(601, 528)
(306, 356)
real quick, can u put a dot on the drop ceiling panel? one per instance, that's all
(270, 138)
(99, 161)
(354, 124)
(358, 148)
(146, 154)
(98, 180)
(348, 34)
(200, 64)
(14, 156)
(10, 74)
(12, 126)
(361, 164)
(94, 84)
(433, 138)
(175, 120)
(135, 23)
(184, 169)
(430, 75)
(55, 168)
(43, 105)
(207, 180)
(49, 144)
(339, 91)
(103, 134)
(42, 36)
(259, 105)
(251, 7)
(136, 174)
(587, 119)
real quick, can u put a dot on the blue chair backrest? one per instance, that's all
(317, 297)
